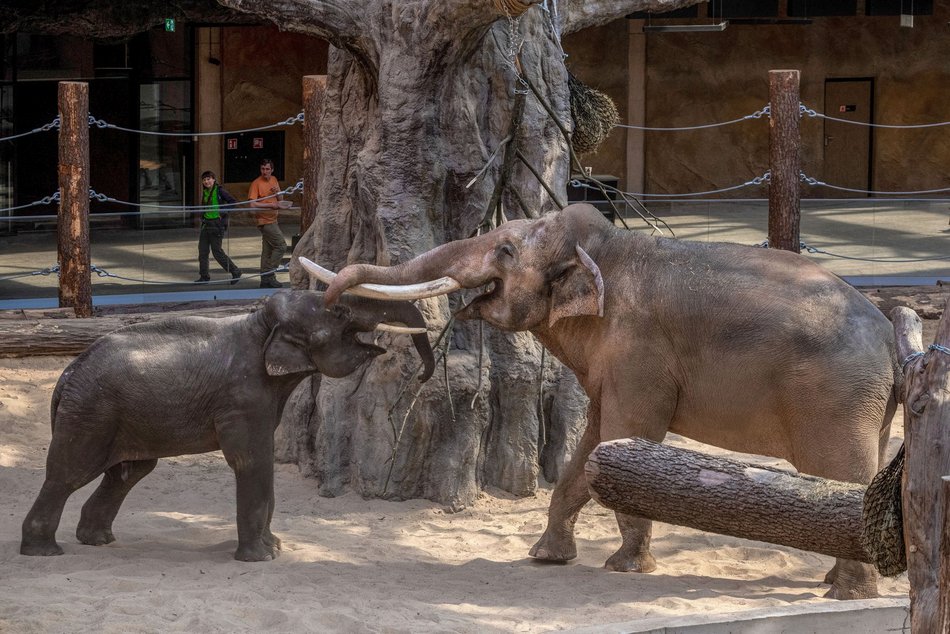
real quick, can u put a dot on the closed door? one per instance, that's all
(847, 145)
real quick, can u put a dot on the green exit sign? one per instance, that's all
(170, 25)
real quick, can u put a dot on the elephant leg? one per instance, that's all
(40, 524)
(569, 497)
(848, 459)
(634, 553)
(647, 416)
(99, 511)
(271, 540)
(73, 462)
(252, 459)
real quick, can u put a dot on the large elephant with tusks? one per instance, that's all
(748, 349)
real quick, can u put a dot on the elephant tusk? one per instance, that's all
(433, 288)
(400, 329)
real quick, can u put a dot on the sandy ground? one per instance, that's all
(348, 564)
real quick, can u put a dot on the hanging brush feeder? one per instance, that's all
(594, 115)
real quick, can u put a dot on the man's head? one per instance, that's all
(267, 168)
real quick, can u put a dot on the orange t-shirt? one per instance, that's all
(261, 187)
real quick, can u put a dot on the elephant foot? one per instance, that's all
(259, 551)
(852, 580)
(831, 575)
(550, 548)
(271, 540)
(849, 593)
(95, 536)
(621, 561)
(47, 549)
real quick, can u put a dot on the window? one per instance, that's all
(685, 12)
(743, 8)
(899, 7)
(821, 8)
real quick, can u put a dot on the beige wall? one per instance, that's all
(258, 82)
(698, 78)
(598, 57)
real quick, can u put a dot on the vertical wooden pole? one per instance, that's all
(943, 587)
(75, 281)
(784, 160)
(924, 499)
(314, 89)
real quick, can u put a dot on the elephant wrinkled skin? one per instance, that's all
(748, 349)
(186, 385)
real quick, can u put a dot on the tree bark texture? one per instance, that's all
(25, 337)
(419, 96)
(784, 160)
(75, 274)
(314, 89)
(688, 488)
(926, 395)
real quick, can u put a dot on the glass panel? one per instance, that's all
(164, 160)
(6, 156)
(818, 8)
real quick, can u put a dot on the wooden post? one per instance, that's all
(784, 160)
(314, 89)
(75, 280)
(926, 393)
(943, 587)
(688, 488)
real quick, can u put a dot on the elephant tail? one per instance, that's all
(57, 395)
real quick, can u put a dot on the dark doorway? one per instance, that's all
(847, 146)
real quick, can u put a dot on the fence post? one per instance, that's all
(75, 281)
(943, 584)
(784, 160)
(314, 88)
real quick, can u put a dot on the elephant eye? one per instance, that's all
(506, 250)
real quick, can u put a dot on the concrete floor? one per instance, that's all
(870, 242)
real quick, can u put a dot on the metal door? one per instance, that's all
(847, 146)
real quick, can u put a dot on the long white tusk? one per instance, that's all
(433, 288)
(402, 330)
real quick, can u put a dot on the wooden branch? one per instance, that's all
(343, 24)
(583, 14)
(39, 337)
(687, 488)
(926, 395)
(908, 332)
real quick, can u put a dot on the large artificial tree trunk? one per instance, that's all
(420, 94)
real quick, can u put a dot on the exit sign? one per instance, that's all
(170, 25)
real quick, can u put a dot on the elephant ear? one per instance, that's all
(286, 354)
(578, 291)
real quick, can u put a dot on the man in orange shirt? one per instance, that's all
(263, 195)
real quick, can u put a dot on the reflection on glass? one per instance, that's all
(163, 160)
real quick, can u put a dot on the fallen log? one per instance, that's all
(39, 337)
(688, 488)
(926, 397)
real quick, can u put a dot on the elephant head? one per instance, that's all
(534, 272)
(308, 336)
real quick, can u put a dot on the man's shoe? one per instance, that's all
(235, 277)
(271, 283)
(203, 279)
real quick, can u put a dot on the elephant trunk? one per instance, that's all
(372, 312)
(442, 270)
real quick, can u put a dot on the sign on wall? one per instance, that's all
(244, 151)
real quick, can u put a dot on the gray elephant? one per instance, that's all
(188, 385)
(749, 349)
